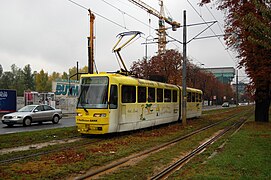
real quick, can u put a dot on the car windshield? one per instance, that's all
(93, 93)
(27, 109)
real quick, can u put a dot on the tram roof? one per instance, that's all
(122, 79)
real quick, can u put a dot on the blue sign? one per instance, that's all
(66, 89)
(8, 101)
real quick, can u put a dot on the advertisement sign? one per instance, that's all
(65, 88)
(8, 101)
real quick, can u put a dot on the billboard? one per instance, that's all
(8, 101)
(61, 87)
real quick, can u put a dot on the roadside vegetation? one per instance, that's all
(33, 137)
(245, 155)
(26, 80)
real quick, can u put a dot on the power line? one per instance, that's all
(219, 24)
(213, 32)
(83, 7)
(125, 13)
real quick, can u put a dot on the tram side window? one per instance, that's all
(159, 95)
(128, 94)
(141, 94)
(193, 97)
(200, 98)
(189, 96)
(167, 95)
(113, 102)
(197, 97)
(151, 94)
(174, 96)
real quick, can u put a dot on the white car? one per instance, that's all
(33, 113)
(226, 104)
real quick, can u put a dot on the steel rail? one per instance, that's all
(181, 161)
(18, 158)
(125, 160)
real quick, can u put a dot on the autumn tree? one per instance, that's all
(169, 65)
(42, 84)
(73, 72)
(54, 76)
(248, 32)
(140, 68)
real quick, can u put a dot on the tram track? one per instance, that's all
(32, 155)
(23, 157)
(117, 163)
(176, 165)
(122, 162)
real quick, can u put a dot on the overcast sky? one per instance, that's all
(52, 34)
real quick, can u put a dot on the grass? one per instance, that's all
(32, 137)
(245, 155)
(70, 162)
(159, 160)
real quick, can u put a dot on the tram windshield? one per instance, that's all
(93, 93)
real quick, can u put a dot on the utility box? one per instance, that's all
(8, 100)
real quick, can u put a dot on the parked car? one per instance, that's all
(31, 114)
(226, 104)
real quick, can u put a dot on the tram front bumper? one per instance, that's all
(92, 128)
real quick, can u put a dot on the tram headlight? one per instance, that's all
(79, 114)
(99, 115)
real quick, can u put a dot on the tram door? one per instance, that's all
(180, 104)
(113, 108)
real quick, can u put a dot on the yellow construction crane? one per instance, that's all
(162, 19)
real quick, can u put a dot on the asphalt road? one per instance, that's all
(64, 122)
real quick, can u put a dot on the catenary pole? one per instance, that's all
(77, 71)
(237, 101)
(184, 98)
(90, 43)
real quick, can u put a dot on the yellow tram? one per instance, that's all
(111, 102)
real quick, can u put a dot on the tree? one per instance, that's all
(65, 76)
(84, 69)
(73, 72)
(6, 80)
(54, 76)
(42, 84)
(28, 78)
(18, 80)
(12, 80)
(248, 32)
(169, 66)
(1, 70)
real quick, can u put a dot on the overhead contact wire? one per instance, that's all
(81, 6)
(213, 33)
